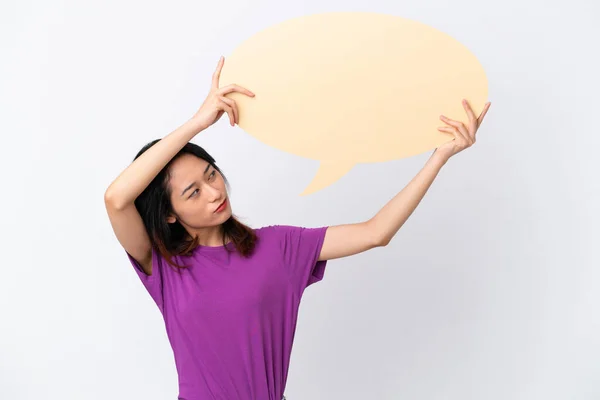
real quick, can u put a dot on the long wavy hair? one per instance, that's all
(171, 239)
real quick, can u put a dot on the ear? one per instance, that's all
(171, 219)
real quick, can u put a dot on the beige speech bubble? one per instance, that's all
(352, 87)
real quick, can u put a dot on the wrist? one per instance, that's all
(439, 157)
(198, 124)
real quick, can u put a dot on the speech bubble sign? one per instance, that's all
(352, 87)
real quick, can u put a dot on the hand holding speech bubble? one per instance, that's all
(352, 87)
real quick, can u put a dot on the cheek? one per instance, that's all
(194, 211)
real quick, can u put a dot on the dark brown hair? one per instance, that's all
(154, 205)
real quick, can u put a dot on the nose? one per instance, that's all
(214, 194)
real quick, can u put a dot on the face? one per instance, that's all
(197, 190)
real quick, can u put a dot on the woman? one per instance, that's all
(230, 294)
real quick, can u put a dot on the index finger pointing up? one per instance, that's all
(217, 73)
(469, 111)
(486, 107)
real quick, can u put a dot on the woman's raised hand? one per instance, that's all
(464, 135)
(216, 103)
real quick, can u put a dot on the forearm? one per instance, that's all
(138, 175)
(393, 215)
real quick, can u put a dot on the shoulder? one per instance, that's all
(282, 228)
(291, 233)
(276, 233)
(269, 231)
(276, 230)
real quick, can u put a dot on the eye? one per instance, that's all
(194, 193)
(212, 173)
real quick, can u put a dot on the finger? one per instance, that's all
(217, 73)
(233, 106)
(231, 103)
(469, 111)
(235, 88)
(482, 115)
(458, 125)
(227, 108)
(231, 116)
(453, 131)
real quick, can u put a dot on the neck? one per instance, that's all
(212, 237)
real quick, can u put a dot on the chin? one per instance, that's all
(226, 214)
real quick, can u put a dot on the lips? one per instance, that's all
(221, 205)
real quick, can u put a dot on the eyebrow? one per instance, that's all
(192, 184)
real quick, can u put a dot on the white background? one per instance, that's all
(491, 290)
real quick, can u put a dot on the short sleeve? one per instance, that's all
(301, 248)
(153, 283)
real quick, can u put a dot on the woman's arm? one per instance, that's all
(349, 239)
(394, 214)
(123, 191)
(137, 176)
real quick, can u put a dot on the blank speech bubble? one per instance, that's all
(346, 88)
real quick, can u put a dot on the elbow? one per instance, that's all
(378, 238)
(108, 197)
(382, 242)
(110, 200)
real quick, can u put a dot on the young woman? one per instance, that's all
(230, 294)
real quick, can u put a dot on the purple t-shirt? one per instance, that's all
(231, 320)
